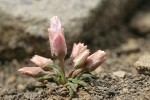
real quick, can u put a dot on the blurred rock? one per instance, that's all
(141, 23)
(125, 90)
(141, 20)
(85, 95)
(24, 24)
(98, 71)
(130, 47)
(106, 26)
(38, 12)
(39, 85)
(143, 64)
(120, 74)
(21, 87)
(11, 79)
(30, 96)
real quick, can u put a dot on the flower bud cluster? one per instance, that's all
(80, 56)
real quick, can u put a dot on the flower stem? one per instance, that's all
(62, 66)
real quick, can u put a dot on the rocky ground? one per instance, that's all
(119, 78)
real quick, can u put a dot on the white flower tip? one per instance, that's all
(31, 59)
(35, 55)
(55, 24)
(74, 44)
(20, 70)
(23, 71)
(53, 18)
(103, 52)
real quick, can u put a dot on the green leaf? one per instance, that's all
(57, 67)
(71, 92)
(41, 79)
(73, 86)
(80, 82)
(78, 77)
(62, 78)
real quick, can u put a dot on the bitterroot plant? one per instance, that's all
(82, 62)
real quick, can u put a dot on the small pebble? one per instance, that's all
(125, 90)
(11, 79)
(130, 47)
(147, 89)
(143, 64)
(120, 74)
(21, 87)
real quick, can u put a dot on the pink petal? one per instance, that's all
(77, 50)
(77, 72)
(59, 46)
(33, 71)
(79, 61)
(96, 64)
(95, 60)
(51, 33)
(57, 39)
(41, 61)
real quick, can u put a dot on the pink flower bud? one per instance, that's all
(42, 62)
(79, 61)
(57, 39)
(77, 49)
(77, 72)
(33, 71)
(95, 60)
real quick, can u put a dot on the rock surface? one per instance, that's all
(24, 24)
(143, 64)
(38, 12)
(130, 47)
(141, 20)
(105, 87)
(120, 74)
(106, 26)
